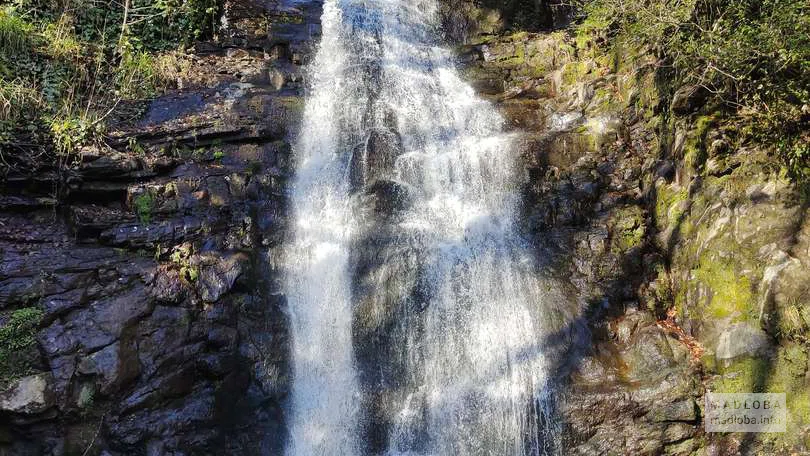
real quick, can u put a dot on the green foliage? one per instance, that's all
(181, 256)
(69, 132)
(15, 33)
(136, 75)
(144, 205)
(794, 322)
(59, 40)
(185, 20)
(753, 56)
(66, 65)
(17, 338)
(14, 96)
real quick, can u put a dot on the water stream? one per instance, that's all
(417, 311)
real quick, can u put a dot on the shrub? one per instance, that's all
(752, 55)
(15, 32)
(66, 65)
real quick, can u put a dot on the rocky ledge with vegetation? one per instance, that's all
(667, 148)
(145, 153)
(145, 149)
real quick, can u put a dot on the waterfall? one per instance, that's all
(417, 312)
(324, 385)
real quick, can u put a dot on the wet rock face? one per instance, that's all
(373, 160)
(464, 20)
(682, 241)
(145, 302)
(629, 382)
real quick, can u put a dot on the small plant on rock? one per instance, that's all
(17, 338)
(144, 205)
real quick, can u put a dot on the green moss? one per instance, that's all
(606, 100)
(589, 31)
(709, 363)
(574, 72)
(741, 376)
(648, 95)
(608, 61)
(695, 152)
(787, 373)
(731, 295)
(17, 339)
(680, 301)
(629, 229)
(688, 446)
(586, 138)
(543, 56)
(286, 18)
(660, 291)
(583, 41)
(632, 238)
(515, 59)
(668, 207)
(144, 205)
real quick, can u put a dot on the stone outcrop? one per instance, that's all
(28, 396)
(684, 243)
(139, 299)
(160, 327)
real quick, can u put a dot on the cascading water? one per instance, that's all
(417, 312)
(324, 385)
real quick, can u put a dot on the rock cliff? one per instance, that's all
(139, 306)
(683, 241)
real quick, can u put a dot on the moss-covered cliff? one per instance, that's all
(688, 229)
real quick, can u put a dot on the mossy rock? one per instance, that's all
(628, 228)
(575, 72)
(695, 151)
(544, 55)
(18, 346)
(144, 205)
(605, 101)
(670, 204)
(731, 295)
(785, 372)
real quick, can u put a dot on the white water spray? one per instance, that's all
(475, 376)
